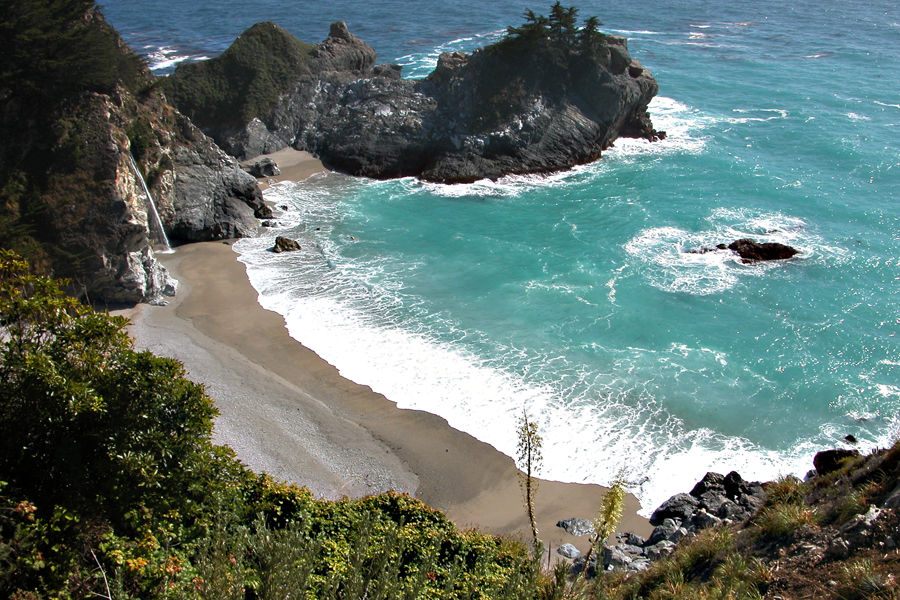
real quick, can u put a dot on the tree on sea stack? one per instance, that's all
(529, 462)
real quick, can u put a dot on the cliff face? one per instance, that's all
(72, 198)
(522, 106)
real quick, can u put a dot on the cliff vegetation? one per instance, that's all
(111, 487)
(53, 56)
(244, 82)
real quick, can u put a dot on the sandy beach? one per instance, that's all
(287, 412)
(295, 165)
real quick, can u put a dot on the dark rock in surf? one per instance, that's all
(283, 244)
(751, 251)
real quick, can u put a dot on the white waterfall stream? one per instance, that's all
(151, 206)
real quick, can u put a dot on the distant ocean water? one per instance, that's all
(576, 295)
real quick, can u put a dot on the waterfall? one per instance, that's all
(151, 205)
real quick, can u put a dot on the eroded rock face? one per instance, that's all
(213, 198)
(89, 155)
(501, 110)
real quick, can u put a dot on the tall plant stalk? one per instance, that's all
(529, 460)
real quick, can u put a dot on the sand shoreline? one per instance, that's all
(287, 412)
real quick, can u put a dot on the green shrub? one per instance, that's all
(787, 489)
(243, 82)
(113, 481)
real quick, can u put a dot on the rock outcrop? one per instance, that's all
(714, 500)
(828, 461)
(72, 199)
(519, 106)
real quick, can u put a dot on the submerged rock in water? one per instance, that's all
(751, 251)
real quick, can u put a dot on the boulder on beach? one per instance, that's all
(264, 168)
(577, 527)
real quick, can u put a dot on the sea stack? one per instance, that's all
(531, 103)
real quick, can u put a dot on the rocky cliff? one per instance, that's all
(75, 152)
(529, 104)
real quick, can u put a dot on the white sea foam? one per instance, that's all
(506, 187)
(684, 127)
(587, 442)
(678, 260)
(634, 32)
(421, 64)
(165, 58)
(758, 114)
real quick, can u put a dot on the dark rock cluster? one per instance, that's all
(478, 115)
(715, 499)
(752, 251)
(283, 244)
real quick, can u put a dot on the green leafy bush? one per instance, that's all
(114, 484)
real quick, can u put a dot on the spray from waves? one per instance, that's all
(684, 127)
(594, 422)
(759, 115)
(420, 64)
(164, 59)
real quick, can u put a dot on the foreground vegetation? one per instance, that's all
(111, 487)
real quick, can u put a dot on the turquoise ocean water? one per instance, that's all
(575, 295)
